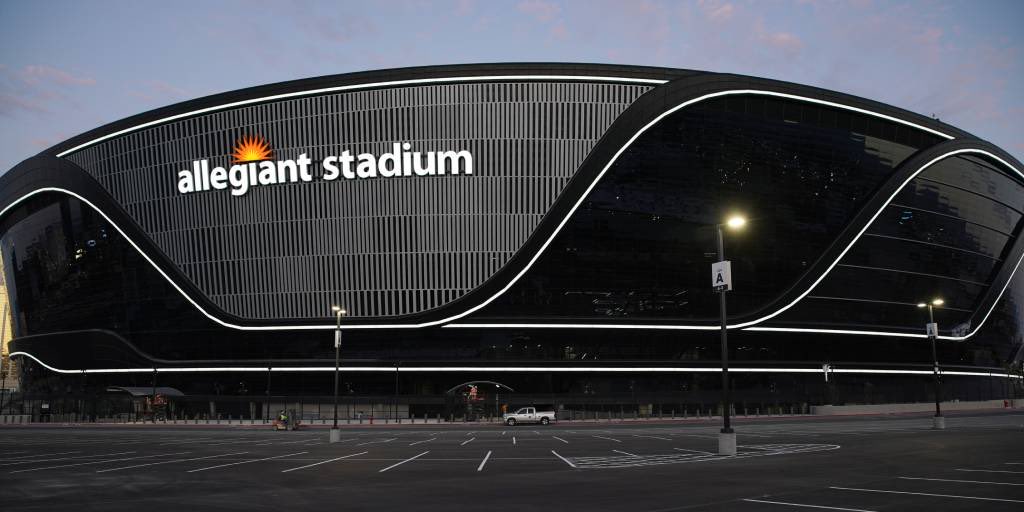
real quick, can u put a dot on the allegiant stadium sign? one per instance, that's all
(254, 166)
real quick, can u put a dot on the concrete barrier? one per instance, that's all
(829, 410)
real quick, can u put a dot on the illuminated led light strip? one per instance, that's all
(779, 311)
(507, 369)
(342, 88)
(533, 258)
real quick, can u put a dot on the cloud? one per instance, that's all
(721, 12)
(41, 75)
(539, 9)
(36, 88)
(782, 40)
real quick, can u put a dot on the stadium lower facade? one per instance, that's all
(547, 229)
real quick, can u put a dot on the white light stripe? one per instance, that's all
(540, 251)
(797, 299)
(342, 88)
(523, 369)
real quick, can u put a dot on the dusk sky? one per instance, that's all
(67, 67)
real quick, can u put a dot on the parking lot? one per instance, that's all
(870, 463)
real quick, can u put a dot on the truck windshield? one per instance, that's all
(521, 411)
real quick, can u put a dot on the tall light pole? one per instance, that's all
(721, 279)
(338, 313)
(938, 421)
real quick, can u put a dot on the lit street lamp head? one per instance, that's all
(736, 222)
(339, 310)
(938, 302)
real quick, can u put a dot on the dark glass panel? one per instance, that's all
(933, 228)
(832, 313)
(937, 197)
(899, 288)
(641, 244)
(913, 256)
(978, 176)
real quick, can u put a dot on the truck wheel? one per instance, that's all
(544, 421)
(511, 422)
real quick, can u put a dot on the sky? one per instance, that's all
(67, 67)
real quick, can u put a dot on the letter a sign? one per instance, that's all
(721, 275)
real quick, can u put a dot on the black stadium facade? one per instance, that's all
(547, 227)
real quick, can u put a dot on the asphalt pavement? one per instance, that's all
(854, 464)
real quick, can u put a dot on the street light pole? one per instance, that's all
(339, 312)
(726, 398)
(938, 421)
(722, 279)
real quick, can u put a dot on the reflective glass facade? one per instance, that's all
(849, 229)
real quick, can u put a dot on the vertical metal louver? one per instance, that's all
(383, 247)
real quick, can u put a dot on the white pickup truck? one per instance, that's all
(528, 415)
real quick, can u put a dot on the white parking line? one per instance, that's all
(804, 505)
(560, 439)
(467, 441)
(535, 432)
(324, 462)
(608, 438)
(653, 437)
(33, 461)
(243, 462)
(96, 462)
(377, 442)
(928, 494)
(481, 466)
(23, 457)
(992, 471)
(404, 461)
(513, 439)
(565, 460)
(169, 462)
(702, 452)
(957, 481)
(502, 432)
(626, 453)
(423, 441)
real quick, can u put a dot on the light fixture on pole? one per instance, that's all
(721, 279)
(338, 312)
(932, 329)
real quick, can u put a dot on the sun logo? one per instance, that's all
(252, 149)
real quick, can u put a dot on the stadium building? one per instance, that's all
(545, 228)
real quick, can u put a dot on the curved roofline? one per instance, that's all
(420, 74)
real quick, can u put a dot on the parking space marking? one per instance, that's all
(928, 494)
(957, 481)
(169, 462)
(378, 442)
(324, 462)
(502, 432)
(481, 466)
(467, 441)
(653, 437)
(243, 462)
(513, 439)
(804, 505)
(404, 461)
(565, 460)
(560, 439)
(702, 452)
(96, 462)
(423, 441)
(608, 438)
(23, 457)
(64, 458)
(626, 453)
(992, 471)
